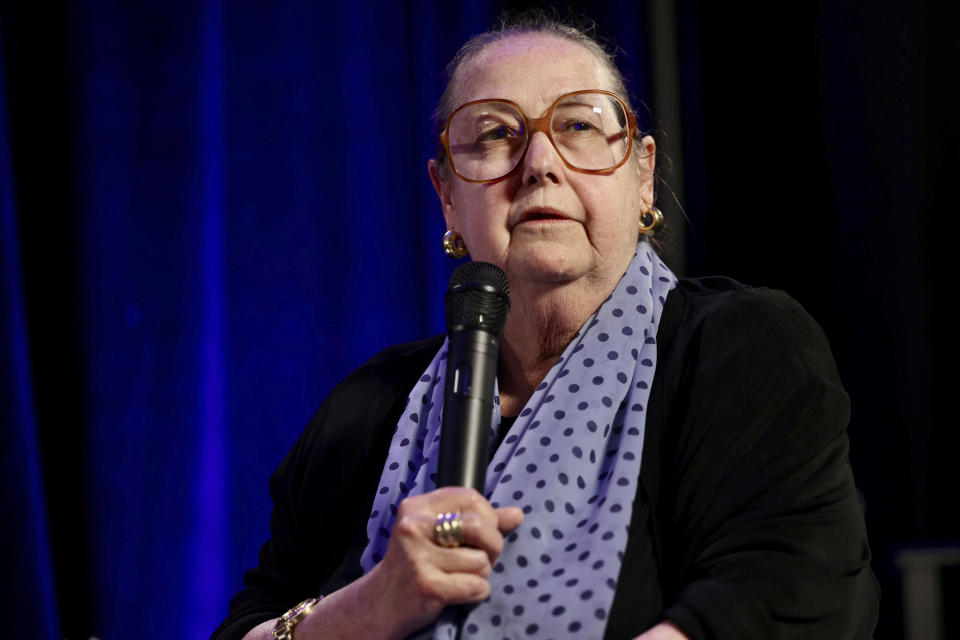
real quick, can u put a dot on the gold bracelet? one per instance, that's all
(285, 623)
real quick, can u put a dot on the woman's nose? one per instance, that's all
(541, 162)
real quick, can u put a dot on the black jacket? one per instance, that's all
(746, 522)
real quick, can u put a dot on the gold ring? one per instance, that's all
(449, 529)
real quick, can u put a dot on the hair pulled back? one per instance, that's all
(581, 31)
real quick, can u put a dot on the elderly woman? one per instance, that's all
(670, 457)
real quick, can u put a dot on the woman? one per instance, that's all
(742, 519)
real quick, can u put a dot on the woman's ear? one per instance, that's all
(647, 161)
(442, 187)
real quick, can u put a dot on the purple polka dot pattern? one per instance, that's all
(584, 428)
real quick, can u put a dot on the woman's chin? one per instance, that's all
(546, 267)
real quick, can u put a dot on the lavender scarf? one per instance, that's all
(571, 461)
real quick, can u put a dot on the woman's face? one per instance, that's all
(545, 223)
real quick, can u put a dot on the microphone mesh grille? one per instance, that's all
(478, 298)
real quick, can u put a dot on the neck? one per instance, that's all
(543, 320)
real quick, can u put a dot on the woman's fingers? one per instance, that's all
(480, 522)
(508, 518)
(463, 500)
(477, 533)
(443, 574)
(484, 526)
(418, 576)
(462, 588)
(463, 560)
(483, 535)
(451, 588)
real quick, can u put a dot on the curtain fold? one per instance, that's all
(27, 577)
(211, 497)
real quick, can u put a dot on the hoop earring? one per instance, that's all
(453, 244)
(650, 221)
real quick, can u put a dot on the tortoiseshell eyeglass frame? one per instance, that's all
(533, 125)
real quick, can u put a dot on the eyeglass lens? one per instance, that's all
(487, 139)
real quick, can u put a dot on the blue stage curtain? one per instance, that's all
(253, 219)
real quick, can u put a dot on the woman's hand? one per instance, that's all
(418, 578)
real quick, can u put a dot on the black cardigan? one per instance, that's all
(746, 521)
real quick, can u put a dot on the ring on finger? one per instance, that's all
(449, 529)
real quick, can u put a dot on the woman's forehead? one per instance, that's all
(530, 69)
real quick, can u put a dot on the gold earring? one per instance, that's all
(650, 221)
(453, 244)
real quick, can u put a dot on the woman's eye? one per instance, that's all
(578, 126)
(498, 133)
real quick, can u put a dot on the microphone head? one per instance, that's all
(478, 298)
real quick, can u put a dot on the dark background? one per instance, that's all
(213, 211)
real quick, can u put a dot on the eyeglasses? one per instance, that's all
(591, 130)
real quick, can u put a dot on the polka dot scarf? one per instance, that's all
(571, 461)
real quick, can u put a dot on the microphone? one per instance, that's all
(477, 303)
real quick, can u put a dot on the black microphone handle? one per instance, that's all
(467, 409)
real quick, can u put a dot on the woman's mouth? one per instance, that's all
(543, 215)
